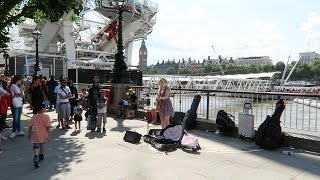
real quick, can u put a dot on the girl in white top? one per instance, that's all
(17, 92)
(102, 102)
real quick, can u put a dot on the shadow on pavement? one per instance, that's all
(120, 127)
(300, 160)
(60, 152)
(95, 134)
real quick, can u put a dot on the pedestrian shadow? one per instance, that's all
(59, 132)
(75, 133)
(120, 127)
(94, 134)
(61, 152)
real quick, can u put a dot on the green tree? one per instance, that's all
(13, 12)
(267, 68)
(280, 66)
(304, 71)
(315, 67)
(253, 68)
(171, 70)
(152, 71)
(184, 71)
(207, 69)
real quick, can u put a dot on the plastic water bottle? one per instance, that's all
(289, 153)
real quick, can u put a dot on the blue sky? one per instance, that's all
(237, 28)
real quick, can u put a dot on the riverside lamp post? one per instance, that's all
(120, 66)
(6, 57)
(36, 34)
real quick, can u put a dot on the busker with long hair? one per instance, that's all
(166, 108)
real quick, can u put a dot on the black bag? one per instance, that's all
(225, 121)
(132, 137)
(269, 134)
(177, 118)
(190, 118)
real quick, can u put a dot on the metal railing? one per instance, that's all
(301, 115)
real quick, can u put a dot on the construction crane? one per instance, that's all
(219, 59)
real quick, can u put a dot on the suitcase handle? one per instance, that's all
(247, 108)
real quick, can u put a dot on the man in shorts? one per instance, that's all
(56, 90)
(64, 95)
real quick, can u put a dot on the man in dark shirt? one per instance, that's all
(52, 97)
(94, 94)
(36, 93)
(3, 82)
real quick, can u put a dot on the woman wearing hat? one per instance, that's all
(166, 108)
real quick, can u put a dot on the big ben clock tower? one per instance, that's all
(143, 57)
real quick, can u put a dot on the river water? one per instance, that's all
(296, 117)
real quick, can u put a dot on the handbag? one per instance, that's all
(17, 102)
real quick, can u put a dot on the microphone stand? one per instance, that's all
(146, 95)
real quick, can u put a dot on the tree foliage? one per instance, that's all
(171, 70)
(13, 12)
(301, 72)
(280, 66)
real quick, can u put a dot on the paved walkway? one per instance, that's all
(92, 155)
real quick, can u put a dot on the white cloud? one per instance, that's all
(312, 21)
(190, 32)
(189, 29)
(311, 30)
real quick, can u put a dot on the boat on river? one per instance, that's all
(308, 102)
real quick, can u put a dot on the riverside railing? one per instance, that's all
(301, 115)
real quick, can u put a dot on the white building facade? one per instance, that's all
(257, 60)
(309, 57)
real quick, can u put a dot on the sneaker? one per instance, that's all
(13, 135)
(63, 128)
(104, 130)
(41, 157)
(98, 129)
(21, 133)
(57, 127)
(3, 137)
(36, 163)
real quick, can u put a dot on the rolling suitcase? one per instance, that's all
(246, 122)
(91, 121)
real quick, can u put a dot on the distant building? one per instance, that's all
(257, 60)
(143, 57)
(309, 57)
(210, 61)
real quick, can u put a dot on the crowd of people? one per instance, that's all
(63, 97)
(298, 90)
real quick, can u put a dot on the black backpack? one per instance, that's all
(225, 121)
(269, 134)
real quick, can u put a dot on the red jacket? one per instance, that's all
(5, 102)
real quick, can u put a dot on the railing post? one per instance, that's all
(208, 99)
(180, 99)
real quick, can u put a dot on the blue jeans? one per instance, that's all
(16, 114)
